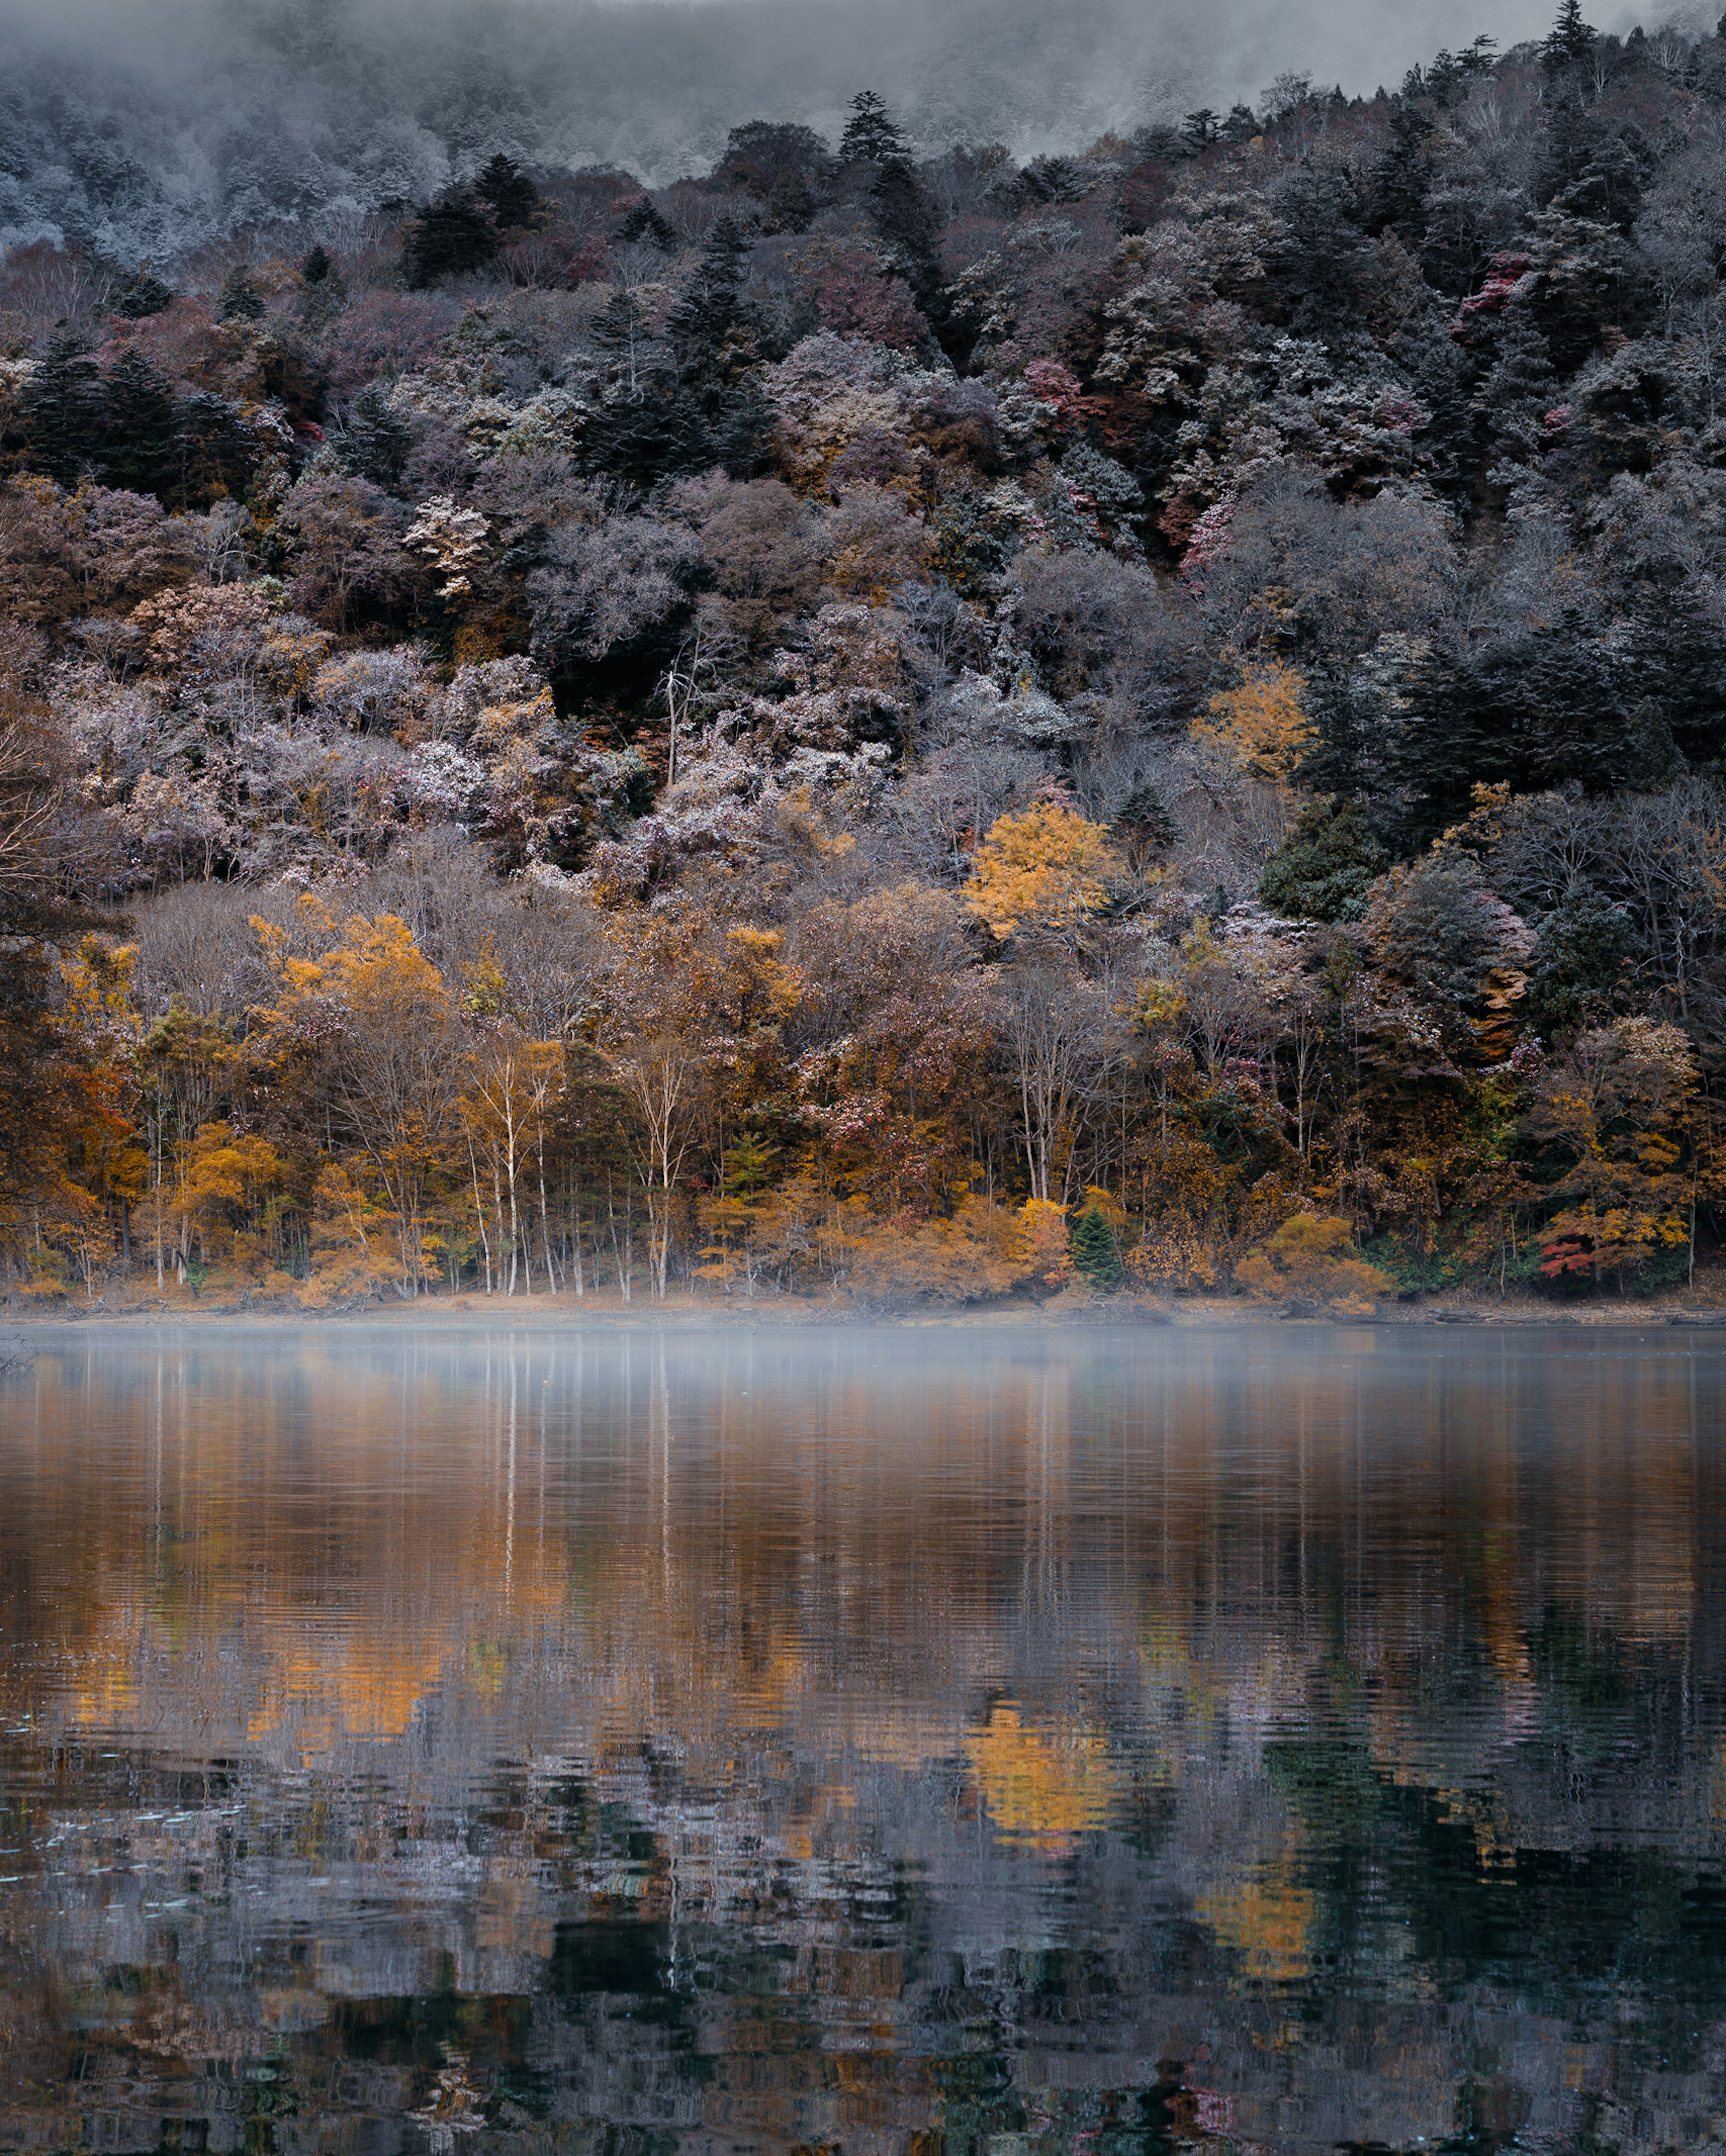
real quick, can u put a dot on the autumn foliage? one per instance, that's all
(886, 730)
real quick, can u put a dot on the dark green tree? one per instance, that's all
(623, 329)
(711, 325)
(451, 237)
(791, 202)
(323, 292)
(1569, 39)
(871, 135)
(141, 295)
(645, 226)
(1521, 388)
(1096, 1255)
(218, 451)
(1575, 699)
(1585, 963)
(239, 299)
(376, 441)
(62, 410)
(514, 199)
(1323, 264)
(1325, 868)
(763, 151)
(1144, 825)
(140, 427)
(1199, 130)
(1402, 178)
(909, 226)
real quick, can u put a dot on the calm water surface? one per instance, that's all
(918, 1742)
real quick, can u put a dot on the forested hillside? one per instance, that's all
(902, 727)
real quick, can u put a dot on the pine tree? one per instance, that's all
(1570, 39)
(1521, 385)
(376, 442)
(1144, 826)
(323, 292)
(1325, 868)
(140, 428)
(513, 196)
(240, 299)
(62, 410)
(1322, 265)
(1586, 957)
(141, 295)
(906, 218)
(450, 237)
(1199, 130)
(1096, 1256)
(1402, 178)
(711, 311)
(645, 226)
(871, 135)
(218, 452)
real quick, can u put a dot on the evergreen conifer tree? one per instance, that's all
(1570, 39)
(624, 333)
(1096, 1256)
(323, 292)
(711, 310)
(1325, 868)
(218, 452)
(140, 428)
(1144, 825)
(62, 410)
(512, 196)
(450, 237)
(1402, 178)
(909, 225)
(141, 295)
(1584, 963)
(240, 299)
(376, 441)
(645, 226)
(871, 135)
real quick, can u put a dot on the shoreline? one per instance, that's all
(566, 1312)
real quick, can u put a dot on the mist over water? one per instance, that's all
(767, 1740)
(134, 128)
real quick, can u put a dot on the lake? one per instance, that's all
(926, 1740)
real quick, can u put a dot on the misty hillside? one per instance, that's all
(146, 131)
(874, 720)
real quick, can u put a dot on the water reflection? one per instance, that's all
(906, 1742)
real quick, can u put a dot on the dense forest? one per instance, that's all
(1147, 721)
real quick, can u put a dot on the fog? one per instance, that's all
(141, 129)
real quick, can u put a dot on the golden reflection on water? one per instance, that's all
(249, 1547)
(1008, 1609)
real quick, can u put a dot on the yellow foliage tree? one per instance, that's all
(1046, 865)
(368, 1031)
(212, 1203)
(976, 1254)
(1314, 1258)
(1041, 1245)
(1260, 727)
